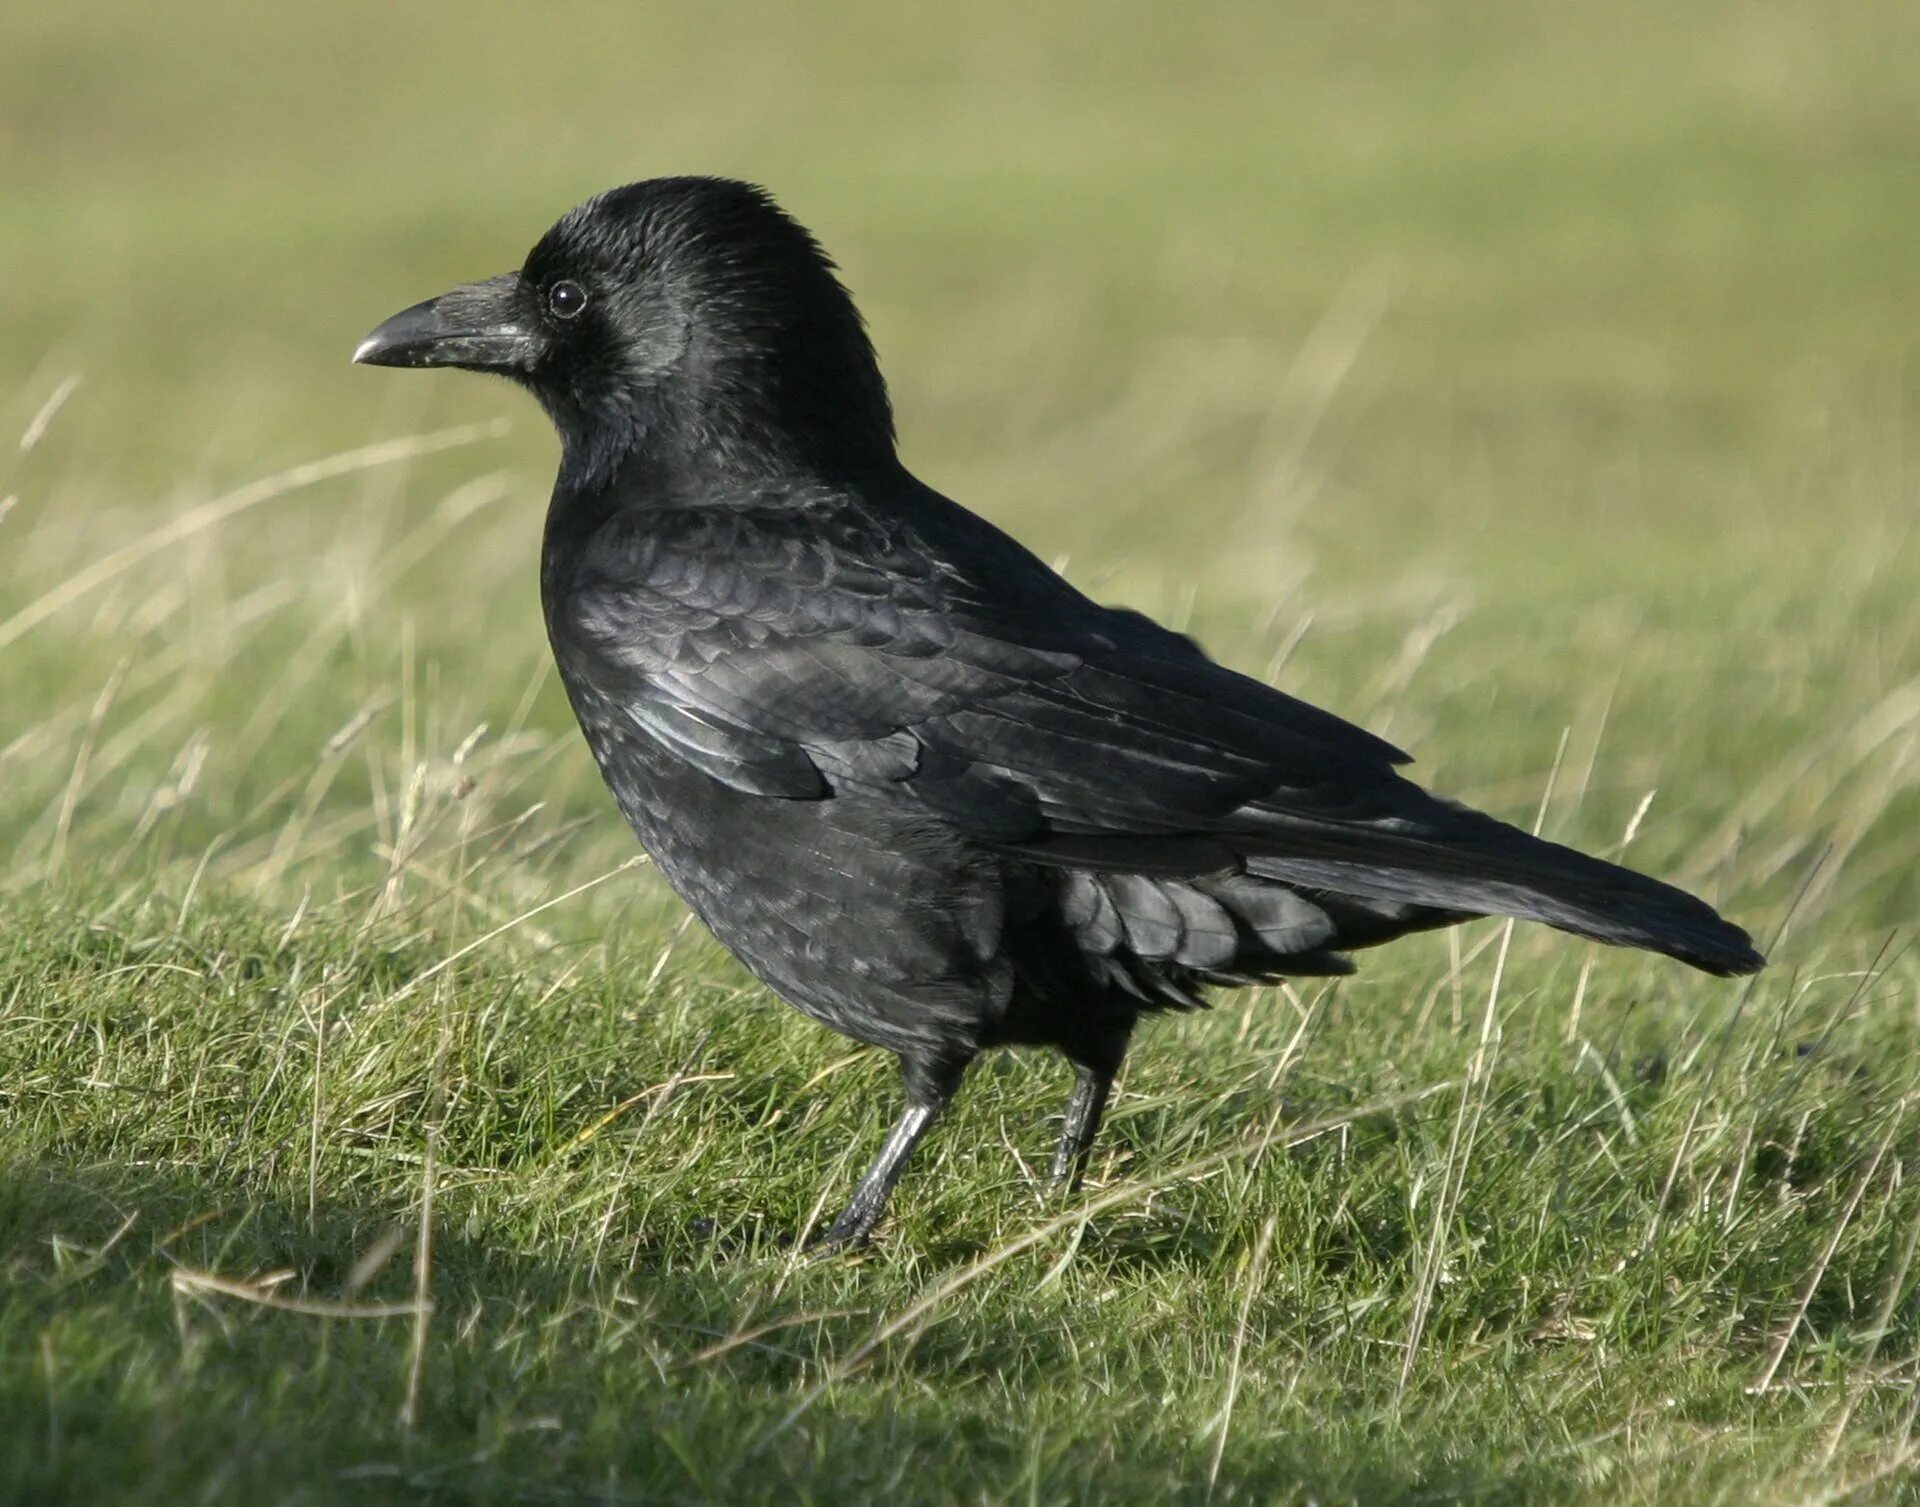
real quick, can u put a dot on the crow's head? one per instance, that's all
(685, 321)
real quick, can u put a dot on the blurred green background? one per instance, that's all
(1324, 323)
(1482, 269)
(1533, 384)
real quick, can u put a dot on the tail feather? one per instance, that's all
(1465, 861)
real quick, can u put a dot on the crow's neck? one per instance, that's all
(741, 427)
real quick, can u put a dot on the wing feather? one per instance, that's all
(813, 644)
(805, 647)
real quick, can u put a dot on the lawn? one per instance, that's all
(1534, 388)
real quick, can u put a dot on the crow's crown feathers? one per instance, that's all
(715, 335)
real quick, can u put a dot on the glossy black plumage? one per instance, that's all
(919, 784)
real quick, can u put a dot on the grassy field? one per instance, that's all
(1533, 387)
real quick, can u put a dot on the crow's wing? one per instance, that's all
(809, 647)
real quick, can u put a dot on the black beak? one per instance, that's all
(479, 326)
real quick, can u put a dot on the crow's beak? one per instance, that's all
(479, 326)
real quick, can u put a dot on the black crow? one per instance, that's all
(931, 794)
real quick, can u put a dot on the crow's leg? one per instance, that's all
(930, 1087)
(1085, 1106)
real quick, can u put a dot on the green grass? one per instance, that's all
(1535, 390)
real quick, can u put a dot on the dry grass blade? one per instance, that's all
(188, 1281)
(1785, 1342)
(217, 510)
(44, 416)
(1255, 1267)
(427, 975)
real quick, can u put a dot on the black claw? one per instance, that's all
(837, 1242)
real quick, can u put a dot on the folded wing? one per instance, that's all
(805, 646)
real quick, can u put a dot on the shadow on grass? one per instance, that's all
(121, 1376)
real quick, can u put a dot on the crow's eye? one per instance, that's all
(566, 299)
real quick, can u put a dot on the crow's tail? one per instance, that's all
(1452, 858)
